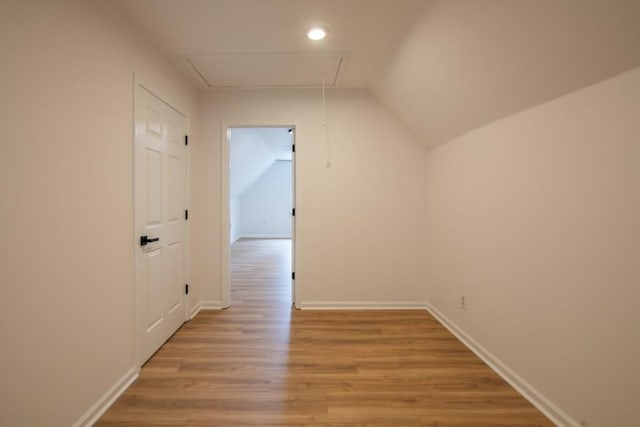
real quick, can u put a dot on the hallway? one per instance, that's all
(262, 363)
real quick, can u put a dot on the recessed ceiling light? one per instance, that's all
(317, 33)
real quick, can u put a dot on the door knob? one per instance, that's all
(144, 240)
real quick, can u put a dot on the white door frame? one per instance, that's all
(138, 81)
(225, 279)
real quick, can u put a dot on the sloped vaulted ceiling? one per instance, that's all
(262, 43)
(443, 67)
(467, 63)
(252, 151)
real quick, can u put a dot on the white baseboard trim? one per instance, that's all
(205, 305)
(361, 305)
(94, 413)
(265, 236)
(537, 399)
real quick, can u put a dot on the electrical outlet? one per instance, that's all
(463, 302)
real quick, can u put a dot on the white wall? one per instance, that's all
(265, 208)
(249, 159)
(234, 219)
(536, 219)
(356, 220)
(252, 161)
(469, 63)
(66, 263)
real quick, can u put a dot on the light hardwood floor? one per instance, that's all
(262, 363)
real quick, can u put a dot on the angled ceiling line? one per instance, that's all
(278, 70)
(198, 72)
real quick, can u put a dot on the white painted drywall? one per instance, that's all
(469, 63)
(249, 159)
(66, 264)
(234, 219)
(536, 219)
(355, 222)
(265, 208)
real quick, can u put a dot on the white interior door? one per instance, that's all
(160, 203)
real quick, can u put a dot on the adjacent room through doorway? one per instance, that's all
(261, 213)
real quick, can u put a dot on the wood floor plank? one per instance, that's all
(262, 363)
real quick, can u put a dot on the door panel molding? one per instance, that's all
(160, 197)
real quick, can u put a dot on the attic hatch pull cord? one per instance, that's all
(325, 123)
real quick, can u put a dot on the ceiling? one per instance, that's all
(442, 67)
(468, 63)
(278, 140)
(262, 43)
(252, 151)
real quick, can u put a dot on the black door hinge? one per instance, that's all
(186, 140)
(186, 214)
(293, 275)
(186, 289)
(293, 148)
(293, 212)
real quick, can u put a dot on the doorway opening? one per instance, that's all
(260, 215)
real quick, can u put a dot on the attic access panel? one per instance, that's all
(267, 70)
